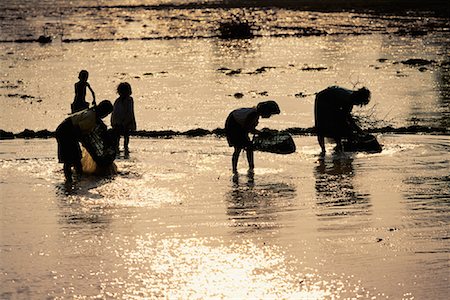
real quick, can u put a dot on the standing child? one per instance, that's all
(240, 123)
(122, 118)
(79, 102)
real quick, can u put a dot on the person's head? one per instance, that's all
(361, 97)
(83, 76)
(104, 108)
(267, 108)
(124, 89)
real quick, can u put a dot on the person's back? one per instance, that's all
(84, 120)
(247, 118)
(79, 101)
(123, 113)
(331, 108)
(80, 92)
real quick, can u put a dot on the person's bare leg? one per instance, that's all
(68, 172)
(118, 144)
(339, 147)
(235, 159)
(250, 159)
(78, 169)
(126, 141)
(321, 140)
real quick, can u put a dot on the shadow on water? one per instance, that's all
(254, 207)
(335, 191)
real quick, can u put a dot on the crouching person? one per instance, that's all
(70, 132)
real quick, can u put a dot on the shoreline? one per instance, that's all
(220, 132)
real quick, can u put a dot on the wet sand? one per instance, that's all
(173, 224)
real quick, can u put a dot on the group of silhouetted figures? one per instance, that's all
(332, 113)
(84, 120)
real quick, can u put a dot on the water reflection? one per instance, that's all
(335, 191)
(443, 85)
(429, 194)
(79, 203)
(426, 185)
(210, 268)
(81, 215)
(254, 207)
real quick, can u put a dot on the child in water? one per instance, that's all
(240, 123)
(79, 102)
(70, 131)
(123, 120)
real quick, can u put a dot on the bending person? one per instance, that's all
(332, 113)
(70, 131)
(240, 123)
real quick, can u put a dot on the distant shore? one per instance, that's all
(168, 20)
(399, 7)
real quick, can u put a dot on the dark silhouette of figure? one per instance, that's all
(240, 123)
(332, 112)
(123, 120)
(79, 102)
(70, 131)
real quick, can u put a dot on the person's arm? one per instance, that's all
(252, 125)
(93, 94)
(255, 131)
(346, 110)
(354, 126)
(350, 122)
(75, 86)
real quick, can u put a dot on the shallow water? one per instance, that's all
(177, 84)
(174, 224)
(185, 82)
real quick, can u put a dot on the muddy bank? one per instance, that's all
(220, 132)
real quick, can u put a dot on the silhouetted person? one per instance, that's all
(79, 102)
(70, 131)
(123, 120)
(332, 112)
(240, 123)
